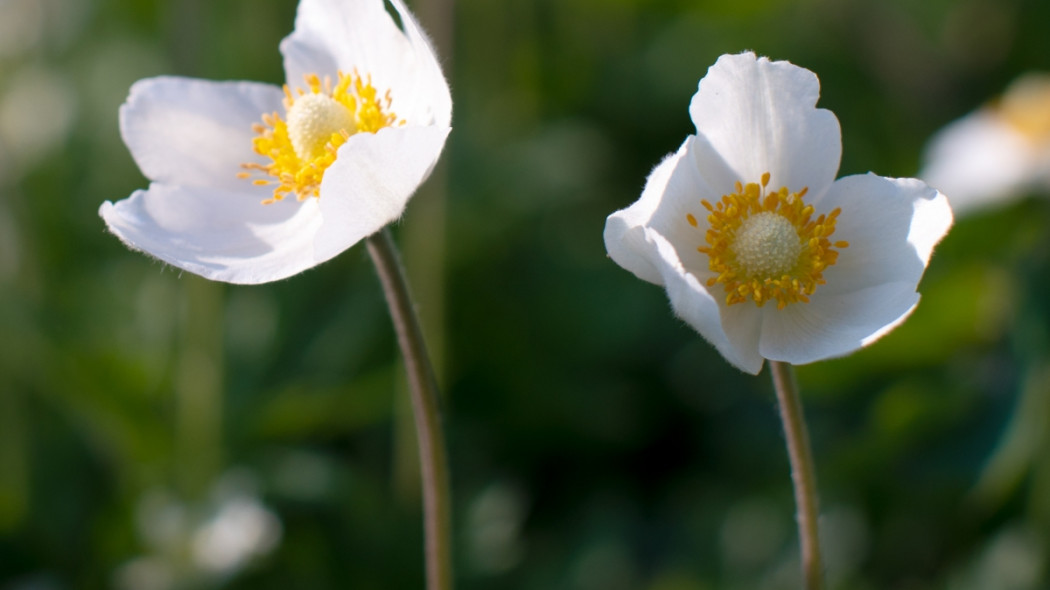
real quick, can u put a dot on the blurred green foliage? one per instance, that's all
(596, 441)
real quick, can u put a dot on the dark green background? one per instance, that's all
(596, 441)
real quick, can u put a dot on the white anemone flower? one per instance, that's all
(760, 249)
(253, 183)
(996, 153)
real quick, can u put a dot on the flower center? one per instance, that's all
(313, 120)
(317, 121)
(766, 245)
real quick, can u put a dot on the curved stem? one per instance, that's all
(425, 406)
(802, 471)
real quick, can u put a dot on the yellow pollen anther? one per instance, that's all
(303, 144)
(766, 246)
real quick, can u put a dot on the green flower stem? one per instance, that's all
(802, 472)
(425, 405)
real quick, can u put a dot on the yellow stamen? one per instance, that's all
(303, 144)
(1026, 107)
(766, 246)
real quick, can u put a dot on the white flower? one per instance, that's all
(242, 529)
(204, 543)
(359, 125)
(996, 153)
(748, 212)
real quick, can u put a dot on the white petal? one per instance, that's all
(836, 325)
(195, 132)
(220, 235)
(683, 196)
(673, 191)
(891, 224)
(335, 34)
(625, 229)
(733, 330)
(427, 82)
(359, 35)
(714, 169)
(760, 116)
(978, 161)
(371, 180)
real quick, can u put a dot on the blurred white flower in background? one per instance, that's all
(37, 111)
(200, 544)
(22, 24)
(494, 524)
(996, 153)
(241, 529)
(28, 25)
(38, 100)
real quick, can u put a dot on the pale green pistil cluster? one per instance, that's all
(766, 245)
(312, 121)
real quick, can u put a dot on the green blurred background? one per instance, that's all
(161, 432)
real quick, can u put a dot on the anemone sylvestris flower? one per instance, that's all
(996, 152)
(760, 249)
(252, 183)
